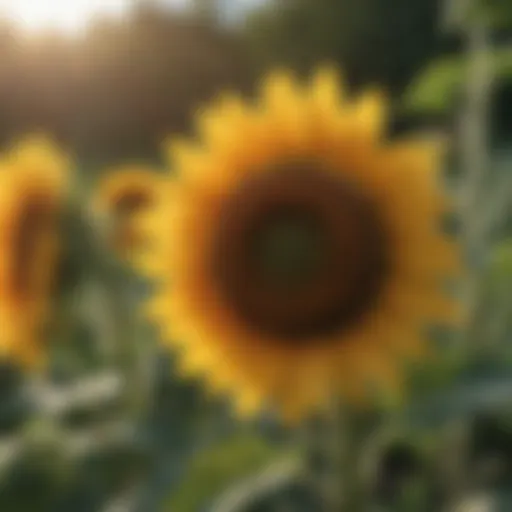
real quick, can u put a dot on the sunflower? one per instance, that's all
(32, 186)
(298, 252)
(124, 194)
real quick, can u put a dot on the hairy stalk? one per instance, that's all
(475, 160)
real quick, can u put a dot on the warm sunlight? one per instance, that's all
(67, 15)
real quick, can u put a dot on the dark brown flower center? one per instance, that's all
(125, 236)
(299, 252)
(289, 248)
(132, 202)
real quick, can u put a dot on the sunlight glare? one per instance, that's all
(66, 15)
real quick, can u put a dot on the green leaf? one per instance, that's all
(214, 470)
(463, 400)
(436, 89)
(503, 500)
(413, 497)
(493, 13)
(502, 260)
(497, 13)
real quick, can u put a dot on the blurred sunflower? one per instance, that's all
(298, 252)
(33, 182)
(123, 195)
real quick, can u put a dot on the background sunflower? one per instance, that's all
(33, 187)
(125, 194)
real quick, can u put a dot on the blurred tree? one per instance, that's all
(145, 78)
(115, 93)
(383, 41)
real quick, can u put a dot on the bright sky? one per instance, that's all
(67, 15)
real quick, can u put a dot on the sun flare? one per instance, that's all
(65, 15)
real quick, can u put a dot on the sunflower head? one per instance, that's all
(125, 194)
(33, 177)
(290, 247)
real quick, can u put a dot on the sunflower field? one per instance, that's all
(258, 258)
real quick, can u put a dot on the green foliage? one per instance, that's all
(461, 382)
(212, 471)
(497, 13)
(374, 41)
(436, 88)
(413, 497)
(41, 473)
(503, 260)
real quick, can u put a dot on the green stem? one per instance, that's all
(131, 350)
(343, 488)
(475, 160)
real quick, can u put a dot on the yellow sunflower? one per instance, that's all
(33, 181)
(298, 252)
(124, 194)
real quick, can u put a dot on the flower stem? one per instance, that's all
(343, 489)
(474, 129)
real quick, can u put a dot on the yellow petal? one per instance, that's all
(327, 89)
(371, 114)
